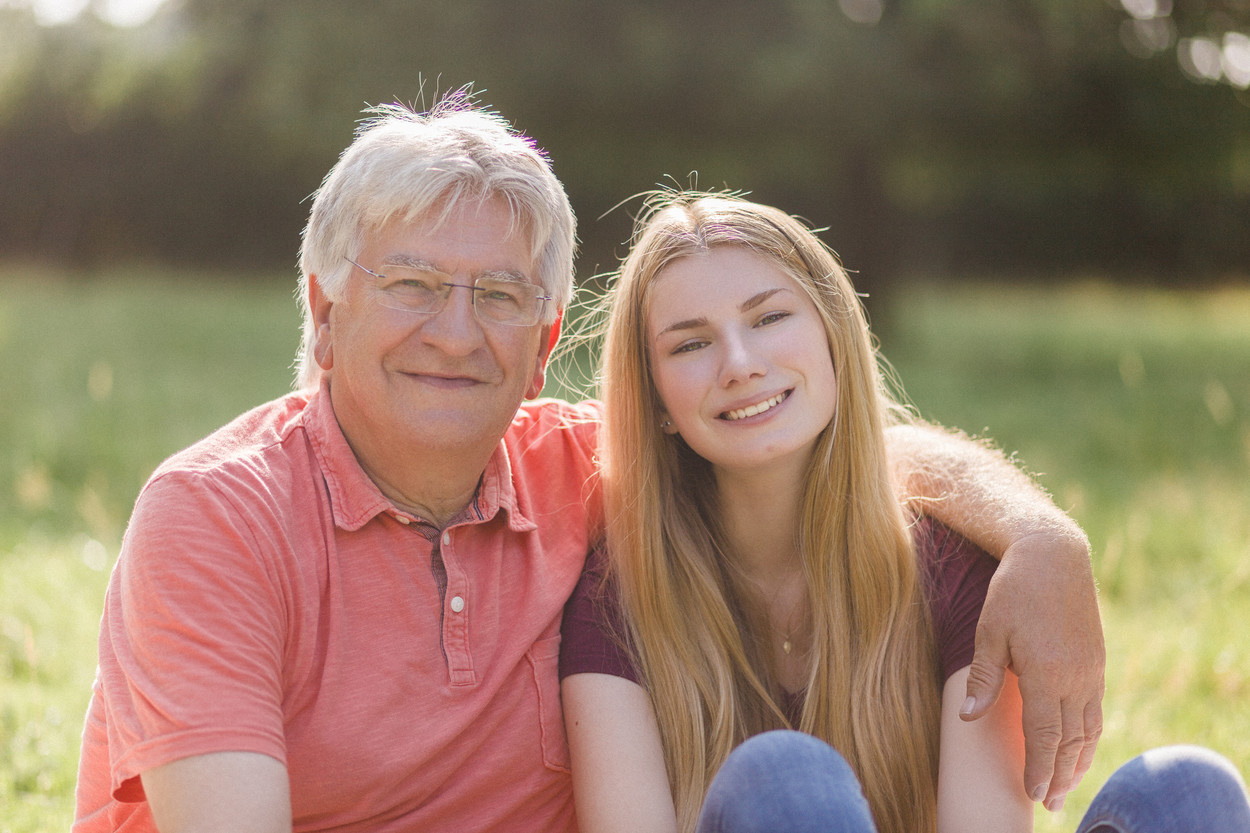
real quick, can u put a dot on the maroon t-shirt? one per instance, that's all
(956, 577)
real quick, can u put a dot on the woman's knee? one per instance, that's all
(784, 750)
(785, 780)
(1189, 787)
(1178, 770)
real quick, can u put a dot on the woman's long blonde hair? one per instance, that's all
(872, 686)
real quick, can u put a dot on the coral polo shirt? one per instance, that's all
(268, 598)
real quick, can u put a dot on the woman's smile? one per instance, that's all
(756, 409)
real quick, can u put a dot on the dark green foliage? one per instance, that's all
(957, 136)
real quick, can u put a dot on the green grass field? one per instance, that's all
(1131, 406)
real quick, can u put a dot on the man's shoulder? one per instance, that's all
(554, 443)
(252, 471)
(254, 440)
(550, 407)
(540, 419)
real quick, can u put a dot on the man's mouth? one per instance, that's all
(758, 408)
(448, 381)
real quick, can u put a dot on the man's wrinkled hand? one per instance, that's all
(1041, 621)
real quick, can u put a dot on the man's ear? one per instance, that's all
(539, 378)
(323, 342)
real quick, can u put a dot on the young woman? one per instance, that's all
(762, 574)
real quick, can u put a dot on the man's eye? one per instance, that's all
(500, 296)
(410, 283)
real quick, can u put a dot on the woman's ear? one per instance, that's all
(666, 424)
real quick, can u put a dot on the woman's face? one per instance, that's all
(740, 359)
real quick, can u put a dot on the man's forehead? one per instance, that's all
(445, 216)
(484, 236)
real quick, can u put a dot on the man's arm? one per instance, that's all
(241, 792)
(1041, 616)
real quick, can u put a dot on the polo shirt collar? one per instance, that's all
(355, 499)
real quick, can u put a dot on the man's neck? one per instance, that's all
(434, 484)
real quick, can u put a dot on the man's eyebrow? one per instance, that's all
(511, 275)
(421, 264)
(746, 306)
(412, 262)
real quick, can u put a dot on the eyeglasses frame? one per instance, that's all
(542, 299)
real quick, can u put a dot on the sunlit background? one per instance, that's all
(1046, 201)
(116, 12)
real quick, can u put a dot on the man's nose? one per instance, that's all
(455, 328)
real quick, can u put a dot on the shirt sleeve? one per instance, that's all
(958, 575)
(193, 632)
(592, 634)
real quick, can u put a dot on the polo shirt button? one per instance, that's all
(446, 538)
(457, 604)
(402, 519)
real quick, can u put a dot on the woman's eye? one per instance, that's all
(687, 347)
(772, 318)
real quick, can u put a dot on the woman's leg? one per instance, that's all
(1175, 789)
(785, 781)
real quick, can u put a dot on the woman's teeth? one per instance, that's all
(752, 410)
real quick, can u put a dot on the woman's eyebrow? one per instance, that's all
(759, 298)
(688, 324)
(747, 305)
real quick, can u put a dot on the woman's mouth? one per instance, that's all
(758, 408)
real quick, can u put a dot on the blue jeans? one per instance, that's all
(787, 781)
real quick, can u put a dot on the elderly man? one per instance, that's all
(342, 610)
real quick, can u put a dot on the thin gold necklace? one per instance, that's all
(787, 641)
(787, 644)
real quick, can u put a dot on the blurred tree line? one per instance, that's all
(1022, 137)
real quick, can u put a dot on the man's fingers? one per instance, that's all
(985, 683)
(1067, 756)
(1043, 733)
(990, 659)
(1075, 754)
(1093, 731)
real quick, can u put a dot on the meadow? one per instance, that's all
(1132, 406)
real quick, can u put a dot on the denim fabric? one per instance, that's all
(788, 781)
(1174, 789)
(785, 781)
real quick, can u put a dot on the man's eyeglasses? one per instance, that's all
(495, 300)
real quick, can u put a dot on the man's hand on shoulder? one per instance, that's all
(1041, 614)
(1041, 619)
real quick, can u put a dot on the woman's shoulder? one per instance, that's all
(941, 549)
(956, 576)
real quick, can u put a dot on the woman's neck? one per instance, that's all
(760, 514)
